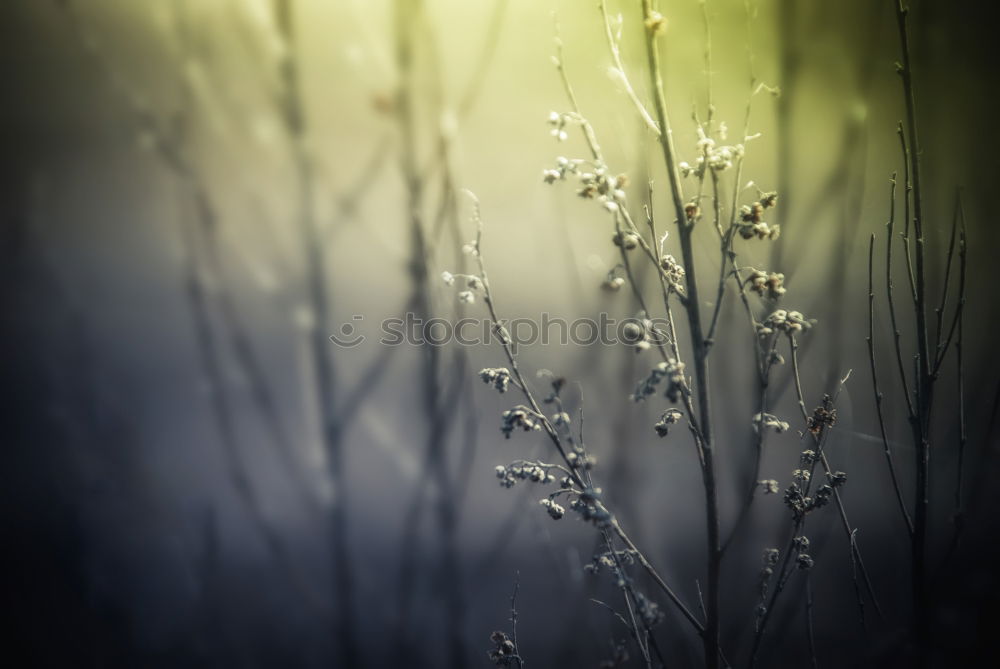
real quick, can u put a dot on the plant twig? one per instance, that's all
(878, 393)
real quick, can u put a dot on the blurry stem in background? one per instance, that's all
(789, 61)
(849, 177)
(437, 405)
(473, 88)
(223, 412)
(168, 142)
(331, 430)
(441, 404)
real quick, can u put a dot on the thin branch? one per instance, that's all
(619, 70)
(943, 305)
(811, 634)
(878, 392)
(513, 620)
(897, 343)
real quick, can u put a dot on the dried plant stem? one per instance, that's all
(810, 631)
(959, 350)
(925, 375)
(629, 596)
(553, 435)
(613, 42)
(790, 62)
(897, 343)
(513, 620)
(819, 441)
(202, 257)
(760, 437)
(409, 16)
(293, 116)
(878, 393)
(698, 343)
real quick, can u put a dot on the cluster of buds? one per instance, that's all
(836, 479)
(634, 333)
(803, 560)
(598, 184)
(673, 371)
(656, 23)
(767, 284)
(610, 560)
(752, 224)
(561, 420)
(558, 122)
(641, 333)
(580, 460)
(667, 418)
(789, 322)
(523, 471)
(564, 167)
(504, 651)
(800, 503)
(716, 158)
(473, 285)
(769, 561)
(603, 560)
(648, 610)
(555, 510)
(625, 240)
(824, 416)
(498, 377)
(673, 272)
(770, 486)
(519, 417)
(588, 504)
(613, 283)
(603, 187)
(769, 421)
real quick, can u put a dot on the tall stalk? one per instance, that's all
(294, 118)
(920, 422)
(685, 228)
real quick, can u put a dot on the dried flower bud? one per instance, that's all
(770, 486)
(613, 283)
(667, 418)
(626, 240)
(498, 377)
(656, 23)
